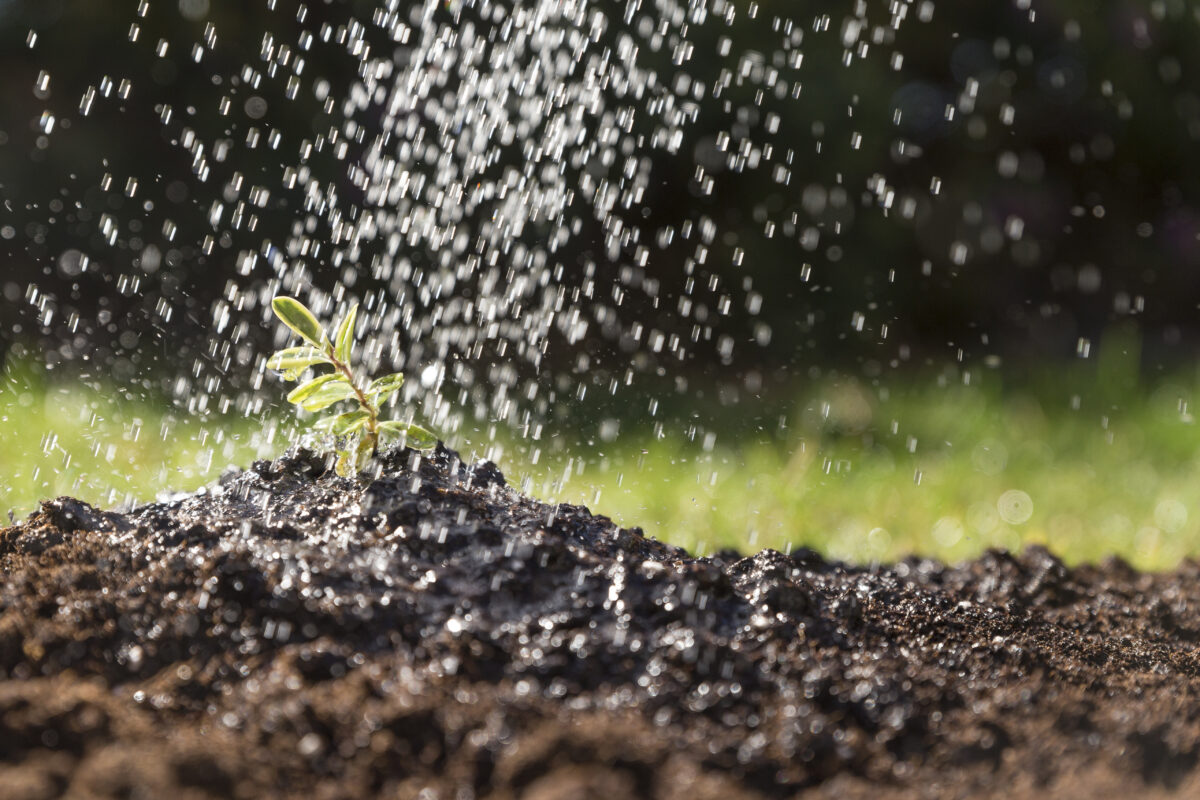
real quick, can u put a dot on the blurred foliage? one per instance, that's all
(111, 226)
(1059, 137)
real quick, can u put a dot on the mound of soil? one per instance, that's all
(432, 633)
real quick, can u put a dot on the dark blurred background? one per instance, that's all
(986, 181)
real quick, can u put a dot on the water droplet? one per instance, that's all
(1015, 507)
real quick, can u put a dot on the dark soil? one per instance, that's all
(432, 633)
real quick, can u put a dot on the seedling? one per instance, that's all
(361, 429)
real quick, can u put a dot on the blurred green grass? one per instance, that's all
(1090, 461)
(110, 446)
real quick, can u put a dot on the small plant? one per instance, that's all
(361, 429)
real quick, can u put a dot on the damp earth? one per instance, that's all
(427, 631)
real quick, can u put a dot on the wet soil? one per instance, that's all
(432, 633)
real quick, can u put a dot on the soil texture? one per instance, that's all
(429, 632)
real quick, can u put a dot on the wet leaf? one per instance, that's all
(413, 435)
(342, 424)
(307, 390)
(363, 453)
(295, 360)
(344, 337)
(383, 388)
(343, 463)
(296, 316)
(327, 394)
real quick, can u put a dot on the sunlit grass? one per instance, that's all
(1089, 464)
(983, 471)
(96, 443)
(1084, 464)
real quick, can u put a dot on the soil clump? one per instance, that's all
(430, 632)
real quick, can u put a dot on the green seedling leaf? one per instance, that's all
(362, 453)
(295, 360)
(342, 424)
(344, 337)
(360, 428)
(414, 435)
(383, 388)
(296, 316)
(307, 390)
(327, 394)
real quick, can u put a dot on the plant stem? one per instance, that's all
(363, 401)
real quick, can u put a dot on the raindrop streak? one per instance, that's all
(502, 184)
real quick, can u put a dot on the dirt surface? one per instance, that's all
(432, 633)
